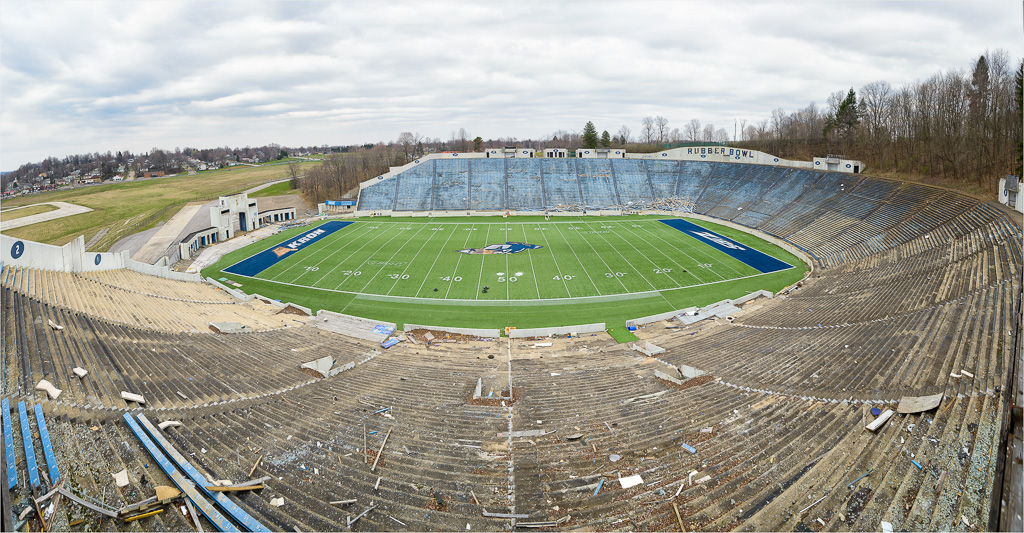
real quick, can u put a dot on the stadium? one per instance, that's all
(708, 339)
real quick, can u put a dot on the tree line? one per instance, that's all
(963, 126)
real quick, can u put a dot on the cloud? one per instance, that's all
(92, 76)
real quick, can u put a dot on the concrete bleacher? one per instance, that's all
(561, 185)
(914, 293)
(451, 185)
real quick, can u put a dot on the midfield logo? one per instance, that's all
(507, 248)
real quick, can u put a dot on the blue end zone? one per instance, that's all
(761, 261)
(271, 256)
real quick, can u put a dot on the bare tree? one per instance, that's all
(647, 131)
(693, 130)
(661, 128)
(624, 134)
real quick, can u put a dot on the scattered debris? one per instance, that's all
(966, 373)
(54, 326)
(862, 476)
(688, 448)
(918, 404)
(362, 514)
(678, 518)
(880, 421)
(631, 481)
(552, 523)
(121, 478)
(380, 451)
(816, 502)
(886, 527)
(51, 391)
(79, 371)
(254, 465)
(614, 457)
(343, 502)
(599, 485)
(505, 515)
(130, 397)
(168, 423)
(277, 502)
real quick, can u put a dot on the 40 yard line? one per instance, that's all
(438, 256)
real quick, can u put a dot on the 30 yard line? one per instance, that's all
(324, 276)
(673, 261)
(369, 281)
(610, 269)
(628, 262)
(371, 256)
(411, 261)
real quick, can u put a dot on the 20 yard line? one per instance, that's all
(369, 281)
(374, 254)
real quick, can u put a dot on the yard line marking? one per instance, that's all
(374, 254)
(585, 271)
(459, 260)
(628, 262)
(547, 246)
(696, 262)
(702, 251)
(332, 254)
(438, 256)
(369, 281)
(340, 263)
(325, 242)
(670, 258)
(508, 272)
(482, 257)
(411, 261)
(532, 267)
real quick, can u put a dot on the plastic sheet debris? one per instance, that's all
(614, 457)
(688, 448)
(277, 502)
(121, 478)
(79, 371)
(886, 527)
(631, 481)
(168, 423)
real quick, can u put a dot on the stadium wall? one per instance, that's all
(490, 333)
(722, 154)
(72, 257)
(560, 330)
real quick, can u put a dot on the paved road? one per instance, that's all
(64, 209)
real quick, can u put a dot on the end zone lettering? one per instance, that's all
(269, 257)
(712, 237)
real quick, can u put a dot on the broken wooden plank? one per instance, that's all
(918, 404)
(679, 518)
(253, 469)
(505, 515)
(143, 515)
(105, 512)
(257, 481)
(880, 421)
(381, 450)
(232, 488)
(551, 523)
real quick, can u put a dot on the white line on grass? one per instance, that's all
(438, 256)
(409, 264)
(695, 261)
(609, 269)
(340, 263)
(532, 266)
(628, 262)
(369, 281)
(561, 276)
(482, 257)
(322, 246)
(681, 267)
(330, 255)
(708, 257)
(451, 279)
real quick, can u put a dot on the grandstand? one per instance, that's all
(915, 291)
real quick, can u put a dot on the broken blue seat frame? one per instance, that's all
(44, 437)
(30, 452)
(209, 511)
(12, 472)
(230, 507)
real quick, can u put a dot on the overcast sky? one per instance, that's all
(83, 76)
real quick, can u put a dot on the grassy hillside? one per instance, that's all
(132, 206)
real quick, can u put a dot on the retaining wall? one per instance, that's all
(491, 333)
(561, 330)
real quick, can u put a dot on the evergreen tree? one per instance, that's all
(589, 135)
(845, 118)
(478, 144)
(606, 139)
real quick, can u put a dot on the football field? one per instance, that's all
(487, 259)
